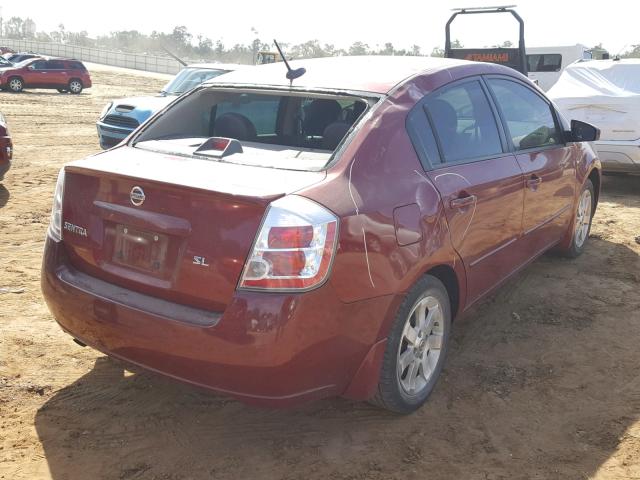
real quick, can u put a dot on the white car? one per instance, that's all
(605, 93)
(121, 117)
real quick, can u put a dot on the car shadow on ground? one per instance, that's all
(4, 195)
(621, 185)
(541, 382)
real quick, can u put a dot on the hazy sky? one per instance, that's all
(341, 22)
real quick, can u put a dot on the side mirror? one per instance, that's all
(583, 132)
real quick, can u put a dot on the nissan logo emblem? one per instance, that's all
(137, 196)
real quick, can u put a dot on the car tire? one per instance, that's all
(418, 341)
(15, 84)
(582, 219)
(75, 86)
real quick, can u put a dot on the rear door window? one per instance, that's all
(464, 123)
(54, 65)
(39, 65)
(528, 116)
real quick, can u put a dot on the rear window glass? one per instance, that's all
(54, 65)
(39, 65)
(287, 123)
(261, 110)
(77, 66)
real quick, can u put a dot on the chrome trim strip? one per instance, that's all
(495, 250)
(550, 219)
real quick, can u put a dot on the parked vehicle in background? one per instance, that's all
(607, 94)
(513, 57)
(16, 58)
(5, 50)
(545, 64)
(6, 147)
(5, 63)
(283, 240)
(121, 117)
(264, 57)
(64, 75)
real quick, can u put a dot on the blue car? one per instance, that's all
(121, 117)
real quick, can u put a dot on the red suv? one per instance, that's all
(281, 239)
(62, 74)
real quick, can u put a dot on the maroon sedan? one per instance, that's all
(64, 75)
(284, 242)
(6, 147)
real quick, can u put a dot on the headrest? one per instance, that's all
(333, 134)
(320, 113)
(234, 125)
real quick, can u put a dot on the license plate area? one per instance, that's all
(144, 251)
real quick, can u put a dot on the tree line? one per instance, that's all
(194, 47)
(199, 47)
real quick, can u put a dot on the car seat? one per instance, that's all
(319, 114)
(333, 134)
(234, 125)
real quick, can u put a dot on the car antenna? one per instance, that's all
(178, 59)
(291, 74)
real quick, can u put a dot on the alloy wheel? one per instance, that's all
(75, 86)
(15, 84)
(420, 345)
(583, 218)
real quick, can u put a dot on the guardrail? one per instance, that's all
(138, 61)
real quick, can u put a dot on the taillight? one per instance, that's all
(294, 248)
(55, 226)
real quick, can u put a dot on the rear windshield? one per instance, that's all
(292, 131)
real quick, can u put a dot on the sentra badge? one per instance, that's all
(70, 227)
(137, 196)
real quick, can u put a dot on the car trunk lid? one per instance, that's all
(172, 227)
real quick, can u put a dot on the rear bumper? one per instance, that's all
(268, 349)
(111, 135)
(619, 156)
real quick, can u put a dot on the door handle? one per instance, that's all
(463, 201)
(534, 181)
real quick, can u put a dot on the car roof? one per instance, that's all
(219, 66)
(375, 74)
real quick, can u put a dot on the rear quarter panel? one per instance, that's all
(378, 174)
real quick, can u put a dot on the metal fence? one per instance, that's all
(138, 61)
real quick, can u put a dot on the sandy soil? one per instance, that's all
(543, 380)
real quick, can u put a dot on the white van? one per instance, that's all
(545, 64)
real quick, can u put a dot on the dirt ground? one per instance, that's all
(543, 380)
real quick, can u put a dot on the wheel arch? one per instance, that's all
(364, 382)
(449, 279)
(596, 179)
